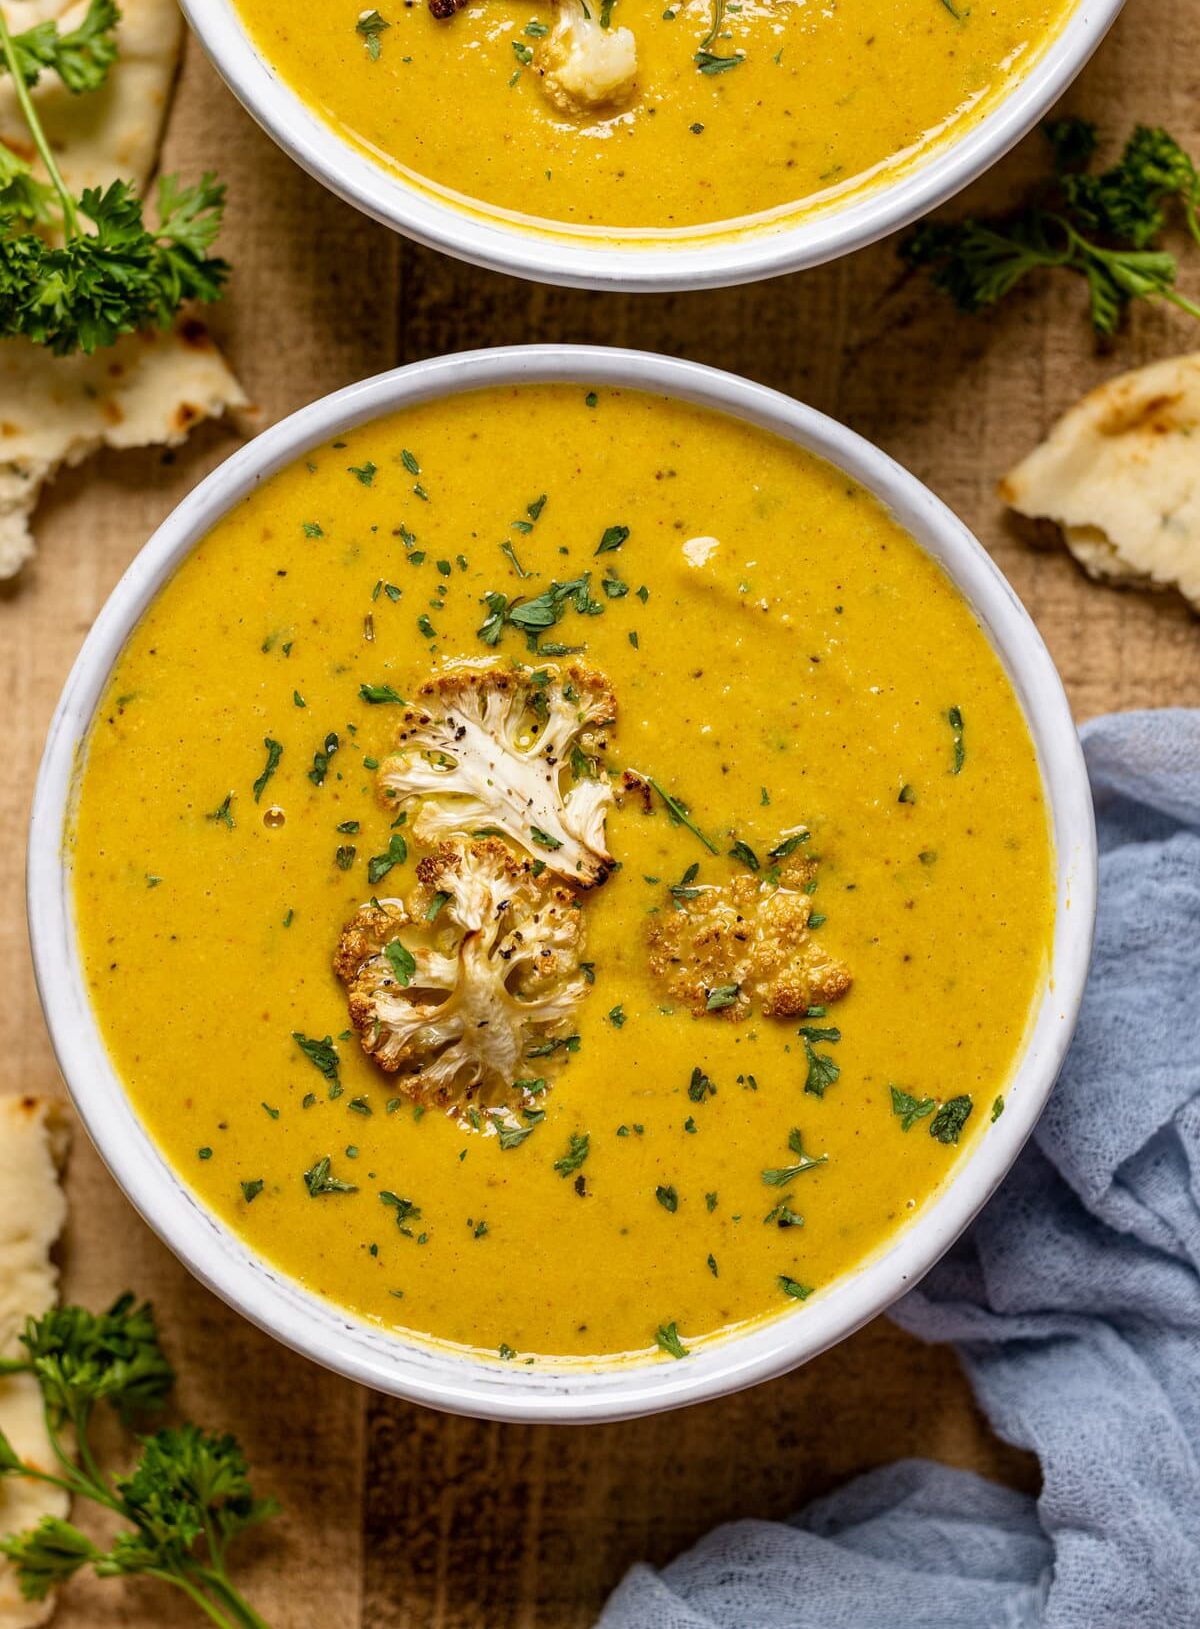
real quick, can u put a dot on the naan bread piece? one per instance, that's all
(113, 133)
(1119, 476)
(32, 1213)
(147, 389)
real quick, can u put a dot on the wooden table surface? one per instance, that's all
(395, 1515)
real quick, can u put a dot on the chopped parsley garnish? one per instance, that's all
(955, 720)
(822, 1070)
(788, 845)
(616, 1017)
(251, 1190)
(666, 1338)
(320, 763)
(947, 1124)
(379, 865)
(547, 1049)
(321, 1180)
(401, 961)
(783, 1215)
(577, 1151)
(379, 694)
(612, 539)
(312, 529)
(667, 1198)
(997, 1109)
(223, 815)
(743, 852)
(370, 26)
(343, 856)
(907, 794)
(910, 1109)
(274, 754)
(700, 1086)
(510, 1134)
(321, 1054)
(405, 1210)
(684, 889)
(779, 1176)
(543, 839)
(436, 905)
(366, 473)
(680, 815)
(797, 1291)
(722, 996)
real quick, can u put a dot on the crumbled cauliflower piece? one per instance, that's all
(750, 937)
(487, 746)
(584, 66)
(451, 987)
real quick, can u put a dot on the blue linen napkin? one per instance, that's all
(1074, 1301)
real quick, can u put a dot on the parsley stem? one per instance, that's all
(680, 815)
(194, 1594)
(217, 1579)
(25, 103)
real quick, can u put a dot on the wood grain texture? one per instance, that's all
(397, 1516)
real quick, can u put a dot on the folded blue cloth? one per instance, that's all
(1074, 1301)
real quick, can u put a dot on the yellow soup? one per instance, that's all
(750, 112)
(817, 725)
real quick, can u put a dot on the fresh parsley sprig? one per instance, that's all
(78, 272)
(188, 1496)
(1102, 225)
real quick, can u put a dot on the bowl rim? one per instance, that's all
(468, 1383)
(714, 262)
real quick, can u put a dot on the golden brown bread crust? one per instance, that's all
(751, 934)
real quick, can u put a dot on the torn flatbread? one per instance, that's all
(111, 133)
(32, 1212)
(147, 389)
(1119, 476)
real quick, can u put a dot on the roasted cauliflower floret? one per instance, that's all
(452, 988)
(585, 67)
(726, 949)
(490, 747)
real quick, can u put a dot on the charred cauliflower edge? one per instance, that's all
(492, 747)
(750, 942)
(451, 987)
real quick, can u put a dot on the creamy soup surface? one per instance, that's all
(756, 108)
(795, 684)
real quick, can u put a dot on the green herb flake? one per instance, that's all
(797, 1291)
(780, 1176)
(908, 1108)
(369, 27)
(251, 1190)
(577, 1151)
(613, 537)
(401, 961)
(667, 1198)
(319, 1179)
(822, 1070)
(274, 754)
(666, 1338)
(378, 695)
(947, 1124)
(223, 816)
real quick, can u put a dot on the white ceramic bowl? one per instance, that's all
(709, 262)
(316, 1327)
